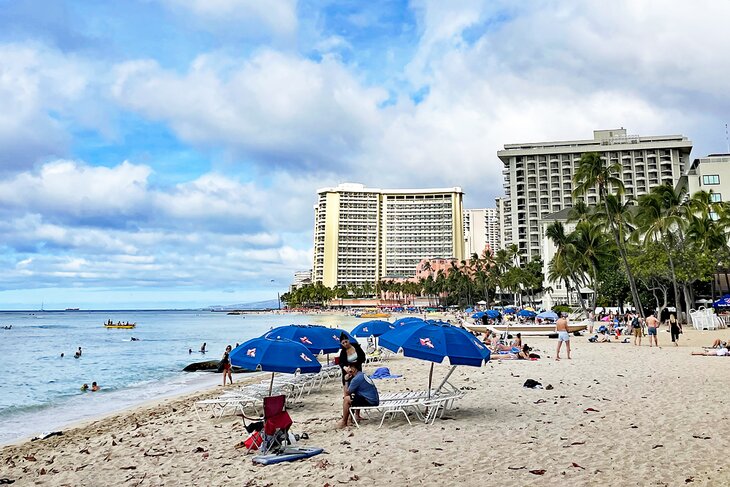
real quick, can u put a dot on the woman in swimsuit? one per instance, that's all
(350, 353)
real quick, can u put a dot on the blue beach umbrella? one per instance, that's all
(434, 342)
(723, 302)
(478, 315)
(509, 311)
(373, 328)
(548, 315)
(317, 338)
(274, 355)
(407, 320)
(526, 313)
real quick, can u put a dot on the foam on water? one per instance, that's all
(40, 391)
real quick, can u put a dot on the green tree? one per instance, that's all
(594, 172)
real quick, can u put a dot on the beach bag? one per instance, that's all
(254, 441)
(635, 323)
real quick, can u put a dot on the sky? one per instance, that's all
(167, 153)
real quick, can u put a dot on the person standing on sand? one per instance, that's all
(652, 327)
(636, 330)
(591, 321)
(225, 365)
(561, 326)
(674, 328)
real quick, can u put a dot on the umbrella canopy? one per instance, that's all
(481, 302)
(525, 313)
(493, 314)
(509, 311)
(478, 315)
(436, 341)
(606, 318)
(373, 328)
(274, 355)
(317, 338)
(723, 302)
(529, 308)
(407, 320)
(548, 315)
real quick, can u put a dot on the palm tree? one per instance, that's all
(565, 264)
(594, 172)
(591, 246)
(662, 213)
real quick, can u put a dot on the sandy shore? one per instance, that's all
(617, 415)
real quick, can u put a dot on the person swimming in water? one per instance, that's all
(202, 349)
(84, 387)
(94, 387)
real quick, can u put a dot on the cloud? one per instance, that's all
(45, 97)
(72, 224)
(247, 17)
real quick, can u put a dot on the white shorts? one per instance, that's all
(563, 336)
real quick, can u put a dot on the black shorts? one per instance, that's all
(359, 401)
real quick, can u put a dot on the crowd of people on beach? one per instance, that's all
(633, 325)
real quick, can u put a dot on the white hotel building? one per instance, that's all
(538, 177)
(367, 234)
(481, 229)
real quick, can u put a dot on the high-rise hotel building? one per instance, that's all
(481, 229)
(538, 177)
(367, 234)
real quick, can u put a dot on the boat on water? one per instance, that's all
(374, 315)
(119, 325)
(526, 329)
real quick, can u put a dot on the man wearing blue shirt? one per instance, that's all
(359, 391)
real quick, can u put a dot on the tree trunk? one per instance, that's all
(677, 304)
(686, 292)
(622, 252)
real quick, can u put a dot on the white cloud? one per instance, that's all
(278, 17)
(283, 110)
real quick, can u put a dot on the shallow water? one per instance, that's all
(40, 390)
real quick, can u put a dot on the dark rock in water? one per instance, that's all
(210, 366)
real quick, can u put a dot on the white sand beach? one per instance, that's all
(616, 415)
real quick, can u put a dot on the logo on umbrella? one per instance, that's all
(365, 329)
(305, 340)
(426, 342)
(305, 357)
(251, 352)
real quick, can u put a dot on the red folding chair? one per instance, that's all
(276, 424)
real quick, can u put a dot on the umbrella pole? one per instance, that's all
(430, 378)
(443, 382)
(271, 385)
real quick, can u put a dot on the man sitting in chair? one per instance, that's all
(358, 391)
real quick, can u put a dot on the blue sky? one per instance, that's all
(166, 153)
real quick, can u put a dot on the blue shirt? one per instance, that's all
(363, 386)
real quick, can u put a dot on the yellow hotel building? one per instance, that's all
(368, 234)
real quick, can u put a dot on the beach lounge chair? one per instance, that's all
(273, 426)
(235, 402)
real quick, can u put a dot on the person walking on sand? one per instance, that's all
(636, 330)
(225, 365)
(561, 326)
(675, 329)
(652, 327)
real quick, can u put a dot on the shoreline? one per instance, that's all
(617, 411)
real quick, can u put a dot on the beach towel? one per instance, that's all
(383, 373)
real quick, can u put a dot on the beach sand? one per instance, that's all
(616, 415)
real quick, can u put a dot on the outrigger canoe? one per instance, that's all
(526, 329)
(122, 326)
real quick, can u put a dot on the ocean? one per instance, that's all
(40, 390)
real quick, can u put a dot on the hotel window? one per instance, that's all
(711, 179)
(715, 197)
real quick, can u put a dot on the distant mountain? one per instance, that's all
(268, 304)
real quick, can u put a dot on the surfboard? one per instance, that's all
(290, 454)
